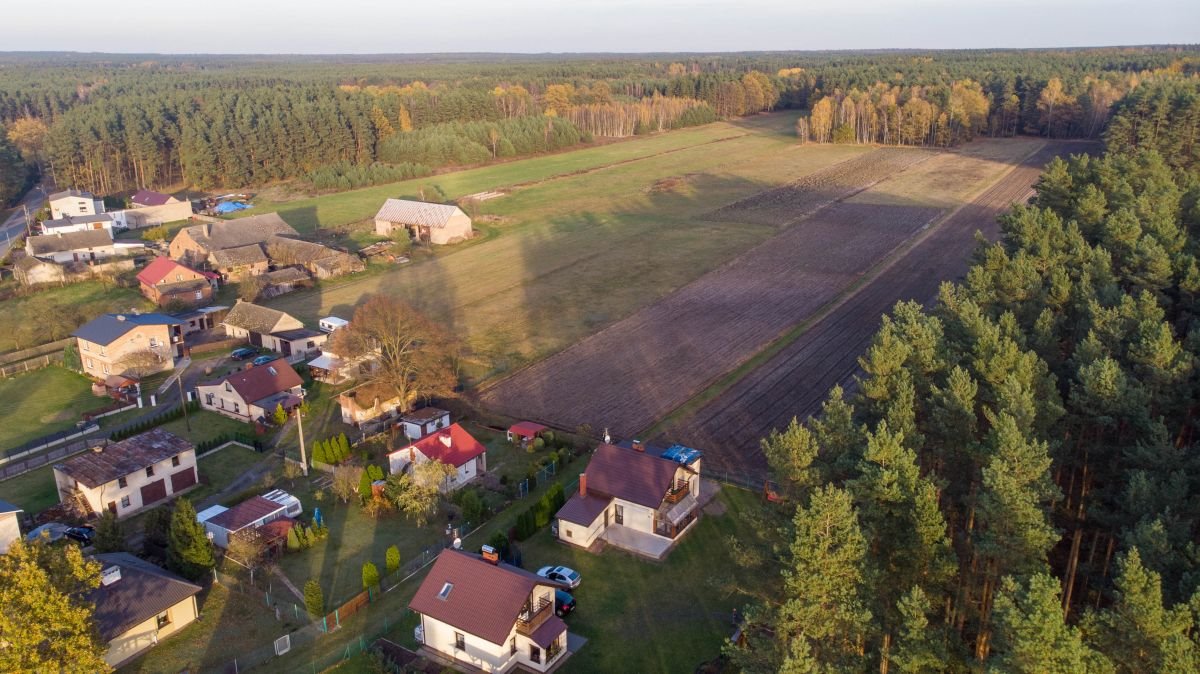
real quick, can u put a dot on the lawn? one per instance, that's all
(207, 425)
(33, 491)
(52, 313)
(569, 253)
(41, 402)
(229, 624)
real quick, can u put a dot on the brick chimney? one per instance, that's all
(638, 446)
(583, 484)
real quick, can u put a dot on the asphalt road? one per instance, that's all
(14, 226)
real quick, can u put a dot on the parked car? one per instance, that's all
(243, 353)
(263, 360)
(564, 603)
(560, 574)
(53, 531)
(82, 534)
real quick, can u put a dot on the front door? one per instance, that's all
(286, 347)
(256, 339)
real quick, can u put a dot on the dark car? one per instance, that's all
(243, 353)
(263, 360)
(81, 534)
(564, 603)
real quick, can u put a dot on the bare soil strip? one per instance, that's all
(795, 381)
(789, 203)
(639, 369)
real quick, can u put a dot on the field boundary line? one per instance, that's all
(479, 391)
(731, 376)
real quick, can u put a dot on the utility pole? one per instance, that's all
(184, 402)
(28, 231)
(300, 427)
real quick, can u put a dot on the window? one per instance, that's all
(87, 346)
(174, 461)
(102, 351)
(568, 530)
(208, 399)
(149, 471)
(228, 388)
(445, 591)
(199, 294)
(535, 653)
(91, 363)
(106, 370)
(512, 646)
(122, 482)
(619, 513)
(164, 619)
(237, 409)
(124, 501)
(460, 642)
(179, 277)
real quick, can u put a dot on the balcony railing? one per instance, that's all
(534, 615)
(675, 494)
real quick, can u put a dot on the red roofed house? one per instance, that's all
(524, 432)
(252, 513)
(253, 393)
(165, 281)
(493, 617)
(633, 500)
(453, 446)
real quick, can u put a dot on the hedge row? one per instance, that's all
(539, 514)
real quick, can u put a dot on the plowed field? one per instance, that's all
(803, 197)
(636, 371)
(796, 380)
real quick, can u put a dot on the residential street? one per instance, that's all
(15, 224)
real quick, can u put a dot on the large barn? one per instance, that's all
(432, 223)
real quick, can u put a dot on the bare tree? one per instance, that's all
(247, 547)
(414, 356)
(345, 481)
(140, 363)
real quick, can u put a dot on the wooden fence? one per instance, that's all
(12, 357)
(31, 365)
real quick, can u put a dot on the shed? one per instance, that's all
(524, 431)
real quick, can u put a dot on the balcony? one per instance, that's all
(533, 615)
(677, 493)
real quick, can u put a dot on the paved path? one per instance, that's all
(14, 226)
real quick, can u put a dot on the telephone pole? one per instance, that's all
(300, 427)
(184, 402)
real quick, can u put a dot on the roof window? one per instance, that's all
(445, 593)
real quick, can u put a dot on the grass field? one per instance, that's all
(25, 319)
(41, 402)
(33, 492)
(573, 253)
(207, 426)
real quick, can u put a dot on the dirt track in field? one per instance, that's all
(795, 381)
(789, 203)
(633, 373)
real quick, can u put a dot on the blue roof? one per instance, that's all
(6, 507)
(108, 328)
(681, 454)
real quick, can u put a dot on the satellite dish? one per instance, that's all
(457, 543)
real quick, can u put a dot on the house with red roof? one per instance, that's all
(453, 446)
(637, 500)
(489, 616)
(165, 281)
(524, 432)
(253, 393)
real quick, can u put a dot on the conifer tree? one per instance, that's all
(1031, 635)
(189, 553)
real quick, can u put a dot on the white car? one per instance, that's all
(560, 574)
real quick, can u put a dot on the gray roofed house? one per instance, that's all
(435, 223)
(198, 241)
(321, 261)
(74, 202)
(107, 328)
(78, 223)
(89, 244)
(230, 260)
(250, 317)
(78, 194)
(138, 603)
(97, 468)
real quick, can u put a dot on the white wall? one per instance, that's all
(99, 497)
(65, 206)
(224, 401)
(141, 637)
(457, 227)
(578, 534)
(10, 530)
(478, 652)
(78, 227)
(415, 431)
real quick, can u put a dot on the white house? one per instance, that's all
(79, 223)
(253, 393)
(252, 513)
(432, 223)
(74, 202)
(274, 330)
(369, 403)
(129, 475)
(10, 527)
(84, 246)
(453, 446)
(489, 616)
(638, 501)
(419, 423)
(138, 604)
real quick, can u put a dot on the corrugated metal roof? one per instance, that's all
(123, 458)
(417, 212)
(142, 592)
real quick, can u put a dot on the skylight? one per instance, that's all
(445, 593)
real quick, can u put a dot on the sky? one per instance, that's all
(536, 26)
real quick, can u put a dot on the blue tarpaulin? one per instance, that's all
(684, 455)
(230, 207)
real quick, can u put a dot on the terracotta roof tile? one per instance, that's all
(630, 475)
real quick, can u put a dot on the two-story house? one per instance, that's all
(120, 343)
(164, 281)
(635, 500)
(74, 202)
(253, 393)
(488, 615)
(274, 330)
(127, 476)
(453, 446)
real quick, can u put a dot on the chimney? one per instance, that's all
(490, 555)
(110, 575)
(98, 449)
(412, 454)
(583, 484)
(638, 446)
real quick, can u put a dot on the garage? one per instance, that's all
(153, 492)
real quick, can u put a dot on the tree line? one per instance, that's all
(1013, 485)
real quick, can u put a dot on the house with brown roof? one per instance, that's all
(129, 475)
(225, 523)
(283, 281)
(633, 499)
(369, 404)
(164, 281)
(433, 223)
(194, 244)
(321, 261)
(275, 330)
(138, 604)
(240, 263)
(453, 446)
(146, 198)
(253, 393)
(489, 616)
